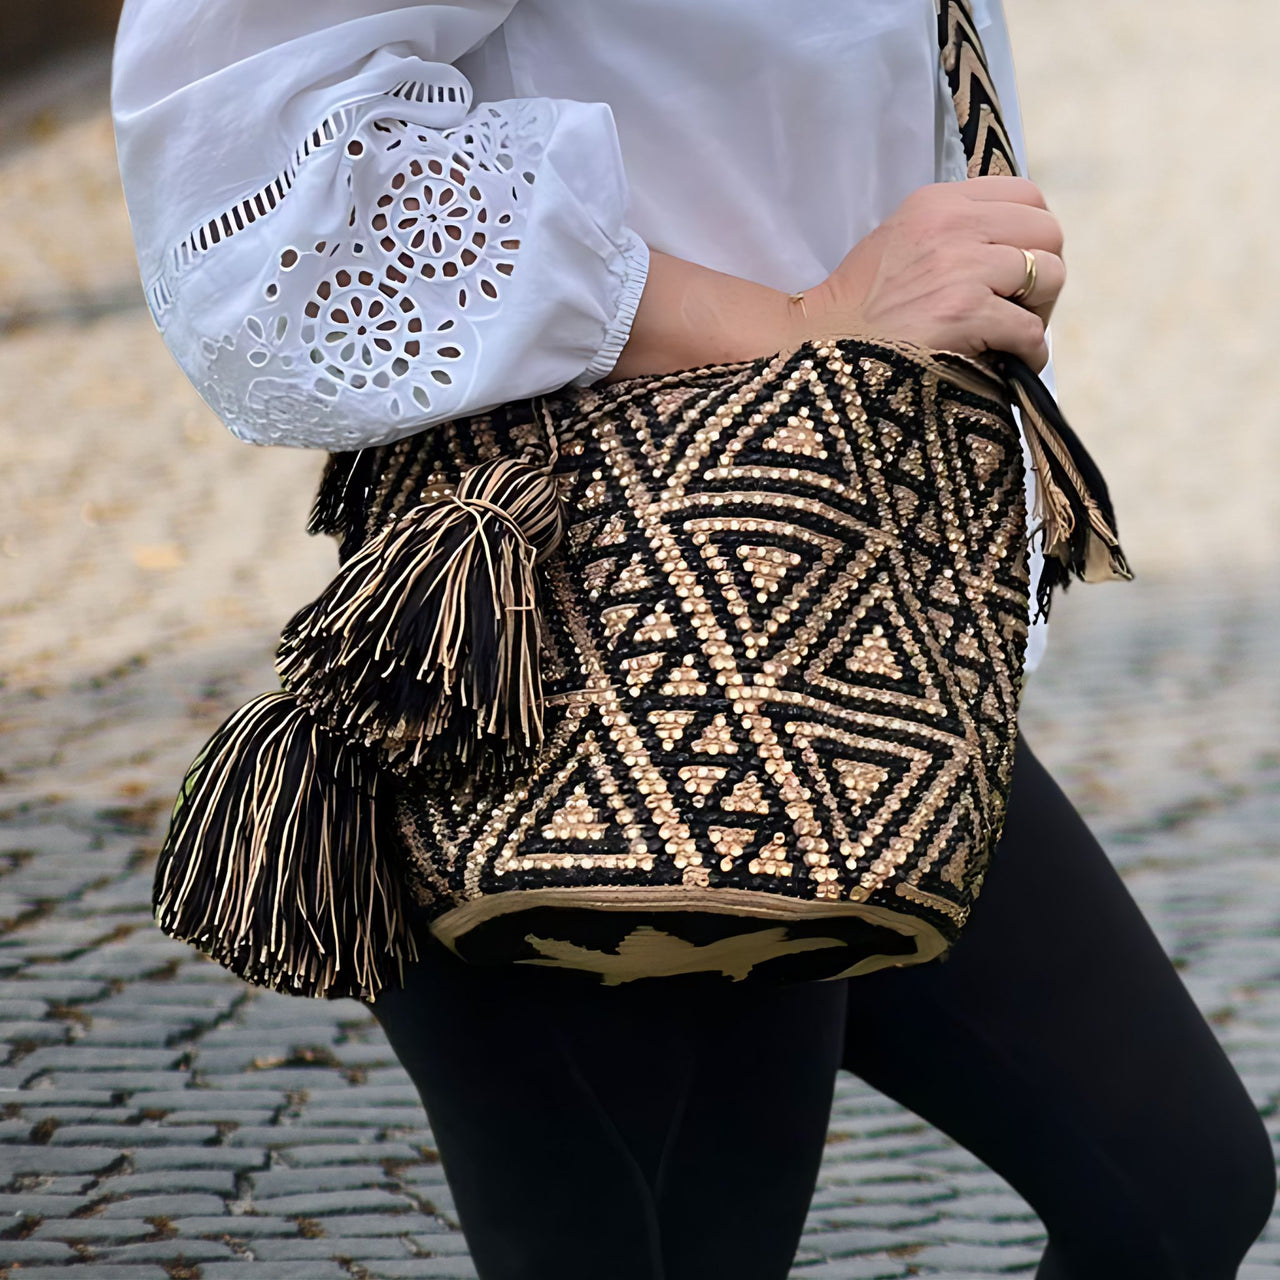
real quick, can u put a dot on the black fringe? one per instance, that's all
(427, 643)
(1077, 516)
(276, 863)
(342, 500)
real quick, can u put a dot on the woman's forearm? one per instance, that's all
(690, 315)
(939, 272)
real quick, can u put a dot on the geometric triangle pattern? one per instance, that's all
(790, 676)
(788, 620)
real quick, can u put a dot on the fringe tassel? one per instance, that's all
(427, 643)
(343, 496)
(275, 864)
(1073, 505)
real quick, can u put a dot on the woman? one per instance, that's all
(342, 248)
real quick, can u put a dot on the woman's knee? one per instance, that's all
(1192, 1218)
(1238, 1178)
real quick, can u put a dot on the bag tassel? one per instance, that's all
(275, 864)
(1072, 503)
(427, 643)
(343, 497)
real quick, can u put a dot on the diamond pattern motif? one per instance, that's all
(788, 627)
(795, 682)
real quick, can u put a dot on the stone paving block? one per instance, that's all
(363, 1055)
(120, 897)
(196, 1157)
(276, 1182)
(127, 1136)
(222, 1181)
(168, 1252)
(1028, 1231)
(369, 1095)
(906, 1191)
(122, 1080)
(43, 1093)
(16, 1204)
(844, 1242)
(94, 1271)
(121, 1114)
(281, 1077)
(435, 1268)
(223, 1115)
(319, 1204)
(297, 1136)
(234, 1058)
(28, 986)
(955, 1258)
(357, 1249)
(442, 1244)
(42, 1032)
(385, 1224)
(178, 1205)
(135, 1035)
(15, 1160)
(79, 1229)
(312, 1269)
(24, 1251)
(395, 1075)
(99, 1058)
(183, 994)
(57, 937)
(135, 959)
(68, 1184)
(992, 1206)
(858, 1172)
(890, 1215)
(238, 1226)
(872, 1268)
(15, 1008)
(347, 1153)
(379, 1117)
(238, 1101)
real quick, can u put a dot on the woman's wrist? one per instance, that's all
(691, 316)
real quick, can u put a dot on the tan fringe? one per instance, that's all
(275, 864)
(427, 644)
(1064, 499)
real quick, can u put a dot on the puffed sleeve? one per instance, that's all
(337, 244)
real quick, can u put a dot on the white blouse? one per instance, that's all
(355, 218)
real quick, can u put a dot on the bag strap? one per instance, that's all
(987, 145)
(1073, 507)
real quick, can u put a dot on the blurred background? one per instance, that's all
(148, 560)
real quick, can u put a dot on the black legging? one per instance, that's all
(672, 1129)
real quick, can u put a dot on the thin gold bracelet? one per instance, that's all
(799, 297)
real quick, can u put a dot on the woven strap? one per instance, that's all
(987, 145)
(1073, 507)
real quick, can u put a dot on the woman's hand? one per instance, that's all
(938, 270)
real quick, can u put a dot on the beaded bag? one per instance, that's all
(717, 670)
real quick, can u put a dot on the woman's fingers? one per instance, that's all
(1006, 273)
(1001, 222)
(999, 187)
(1007, 326)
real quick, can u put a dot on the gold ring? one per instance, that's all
(1029, 282)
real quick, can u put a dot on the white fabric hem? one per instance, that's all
(634, 259)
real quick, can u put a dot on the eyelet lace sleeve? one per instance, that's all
(414, 259)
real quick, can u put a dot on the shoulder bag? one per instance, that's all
(717, 670)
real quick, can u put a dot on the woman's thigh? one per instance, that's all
(1058, 1043)
(670, 1128)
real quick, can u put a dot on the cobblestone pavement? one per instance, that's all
(159, 1119)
